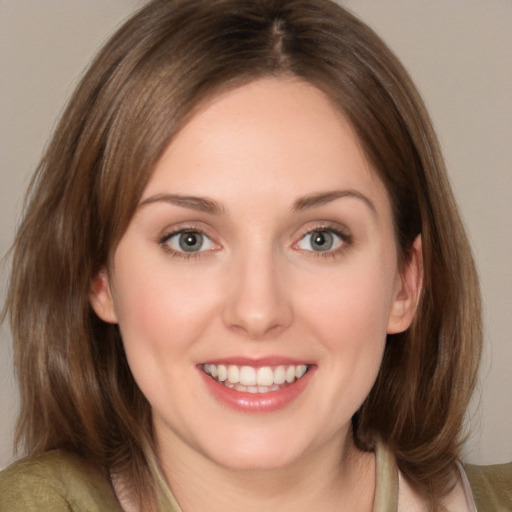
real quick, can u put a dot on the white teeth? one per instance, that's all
(300, 370)
(290, 374)
(265, 376)
(255, 380)
(222, 372)
(233, 374)
(247, 376)
(280, 375)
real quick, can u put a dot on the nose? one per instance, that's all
(257, 304)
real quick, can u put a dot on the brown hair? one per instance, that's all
(76, 388)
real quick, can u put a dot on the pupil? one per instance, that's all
(190, 242)
(322, 240)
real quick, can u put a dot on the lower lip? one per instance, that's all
(257, 402)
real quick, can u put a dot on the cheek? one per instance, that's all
(354, 332)
(349, 317)
(161, 317)
(161, 311)
(354, 303)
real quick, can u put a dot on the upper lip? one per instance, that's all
(258, 361)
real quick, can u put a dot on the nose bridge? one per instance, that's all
(257, 302)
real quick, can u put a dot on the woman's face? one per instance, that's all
(257, 280)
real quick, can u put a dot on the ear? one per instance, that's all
(408, 291)
(100, 297)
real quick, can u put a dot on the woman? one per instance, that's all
(241, 279)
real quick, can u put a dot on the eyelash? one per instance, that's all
(345, 240)
(344, 237)
(164, 243)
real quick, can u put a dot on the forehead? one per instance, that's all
(271, 136)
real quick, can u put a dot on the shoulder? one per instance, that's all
(491, 486)
(55, 481)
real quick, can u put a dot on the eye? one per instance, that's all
(188, 242)
(321, 240)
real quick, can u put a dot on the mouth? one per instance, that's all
(250, 379)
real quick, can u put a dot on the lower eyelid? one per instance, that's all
(344, 237)
(345, 240)
(164, 241)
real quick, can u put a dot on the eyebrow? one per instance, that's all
(322, 198)
(211, 206)
(201, 204)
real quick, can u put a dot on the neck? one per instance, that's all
(334, 474)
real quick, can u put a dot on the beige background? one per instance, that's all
(459, 52)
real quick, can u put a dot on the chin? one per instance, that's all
(257, 453)
(255, 462)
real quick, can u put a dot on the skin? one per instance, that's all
(259, 288)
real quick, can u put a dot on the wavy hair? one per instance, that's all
(76, 388)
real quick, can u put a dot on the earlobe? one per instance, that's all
(100, 297)
(408, 291)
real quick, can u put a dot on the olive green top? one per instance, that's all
(59, 481)
(491, 486)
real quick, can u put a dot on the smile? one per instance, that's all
(249, 379)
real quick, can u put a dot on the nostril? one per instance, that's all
(257, 305)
